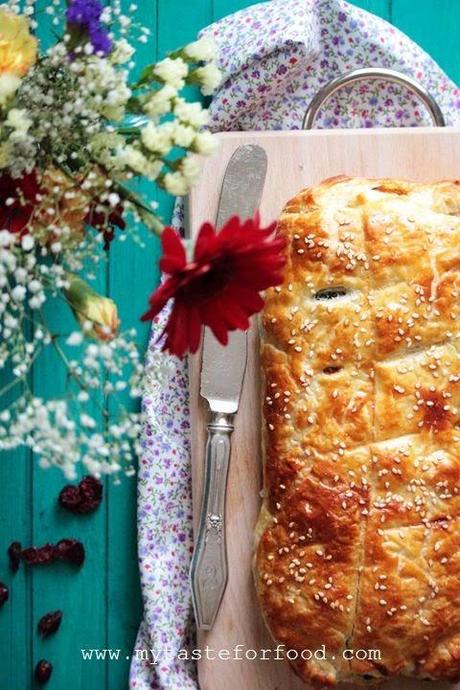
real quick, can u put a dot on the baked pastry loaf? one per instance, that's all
(358, 541)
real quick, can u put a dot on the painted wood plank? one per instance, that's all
(435, 25)
(222, 8)
(133, 273)
(15, 525)
(79, 592)
(380, 7)
(173, 33)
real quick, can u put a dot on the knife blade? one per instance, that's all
(222, 375)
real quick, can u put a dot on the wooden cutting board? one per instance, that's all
(295, 160)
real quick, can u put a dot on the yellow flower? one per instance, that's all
(97, 315)
(102, 311)
(18, 48)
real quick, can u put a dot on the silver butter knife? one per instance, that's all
(222, 374)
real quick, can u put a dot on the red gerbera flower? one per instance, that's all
(220, 287)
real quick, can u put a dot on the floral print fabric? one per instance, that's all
(275, 56)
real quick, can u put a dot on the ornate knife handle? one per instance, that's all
(209, 570)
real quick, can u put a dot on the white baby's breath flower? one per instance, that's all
(17, 119)
(104, 86)
(27, 243)
(190, 168)
(6, 238)
(37, 301)
(9, 84)
(172, 71)
(202, 49)
(209, 77)
(87, 421)
(205, 143)
(75, 338)
(192, 113)
(122, 52)
(158, 139)
(34, 285)
(160, 102)
(18, 293)
(176, 183)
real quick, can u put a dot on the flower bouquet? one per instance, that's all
(75, 130)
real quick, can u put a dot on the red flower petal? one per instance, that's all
(176, 341)
(204, 242)
(220, 287)
(160, 297)
(214, 320)
(174, 256)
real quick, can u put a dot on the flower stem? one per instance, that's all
(148, 217)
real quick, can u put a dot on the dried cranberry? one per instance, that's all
(14, 554)
(43, 671)
(4, 594)
(69, 498)
(39, 556)
(71, 550)
(49, 623)
(83, 498)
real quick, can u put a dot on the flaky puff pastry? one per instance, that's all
(358, 541)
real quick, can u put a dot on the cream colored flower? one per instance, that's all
(133, 158)
(209, 77)
(183, 136)
(97, 315)
(205, 143)
(176, 183)
(103, 314)
(18, 48)
(172, 71)
(192, 113)
(190, 168)
(202, 49)
(8, 86)
(158, 139)
(160, 102)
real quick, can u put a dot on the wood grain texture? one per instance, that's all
(295, 160)
(27, 494)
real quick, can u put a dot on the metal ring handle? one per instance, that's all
(372, 73)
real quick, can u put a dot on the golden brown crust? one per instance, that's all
(358, 542)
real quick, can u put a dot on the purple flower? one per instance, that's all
(85, 12)
(86, 15)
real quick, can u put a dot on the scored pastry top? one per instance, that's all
(358, 538)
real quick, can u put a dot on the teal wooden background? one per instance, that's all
(101, 602)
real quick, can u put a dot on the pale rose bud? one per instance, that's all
(88, 306)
